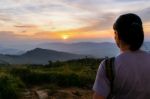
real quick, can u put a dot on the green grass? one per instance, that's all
(10, 86)
(74, 73)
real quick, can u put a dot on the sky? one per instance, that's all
(36, 21)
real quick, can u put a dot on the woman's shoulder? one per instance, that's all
(131, 56)
(133, 53)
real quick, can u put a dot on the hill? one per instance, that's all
(10, 51)
(100, 49)
(39, 56)
(86, 48)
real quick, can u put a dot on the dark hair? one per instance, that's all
(130, 30)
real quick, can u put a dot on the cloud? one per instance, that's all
(70, 16)
(9, 36)
(95, 24)
(48, 35)
(144, 14)
(131, 0)
(101, 14)
(26, 26)
(5, 18)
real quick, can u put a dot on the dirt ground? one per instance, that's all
(68, 93)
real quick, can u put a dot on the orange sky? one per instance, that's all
(66, 20)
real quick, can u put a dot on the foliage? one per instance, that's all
(73, 73)
(10, 86)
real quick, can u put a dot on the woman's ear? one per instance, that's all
(116, 36)
(117, 39)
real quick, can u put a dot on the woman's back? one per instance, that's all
(132, 70)
(132, 66)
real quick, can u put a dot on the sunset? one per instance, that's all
(77, 20)
(74, 49)
(65, 37)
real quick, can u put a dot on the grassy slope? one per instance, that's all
(72, 78)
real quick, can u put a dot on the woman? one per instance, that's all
(131, 67)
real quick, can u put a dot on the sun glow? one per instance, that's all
(65, 37)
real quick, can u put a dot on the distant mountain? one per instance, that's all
(146, 46)
(100, 49)
(39, 56)
(64, 51)
(11, 51)
(3, 62)
(89, 48)
(86, 48)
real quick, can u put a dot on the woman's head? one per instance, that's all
(129, 30)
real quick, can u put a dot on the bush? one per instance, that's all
(74, 73)
(10, 87)
(63, 79)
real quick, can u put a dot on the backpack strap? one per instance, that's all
(110, 73)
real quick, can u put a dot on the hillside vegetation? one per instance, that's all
(73, 78)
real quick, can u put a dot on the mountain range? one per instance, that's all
(10, 51)
(60, 51)
(97, 50)
(38, 56)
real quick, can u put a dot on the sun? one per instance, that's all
(65, 37)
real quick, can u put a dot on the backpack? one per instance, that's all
(110, 74)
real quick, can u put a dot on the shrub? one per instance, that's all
(10, 87)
